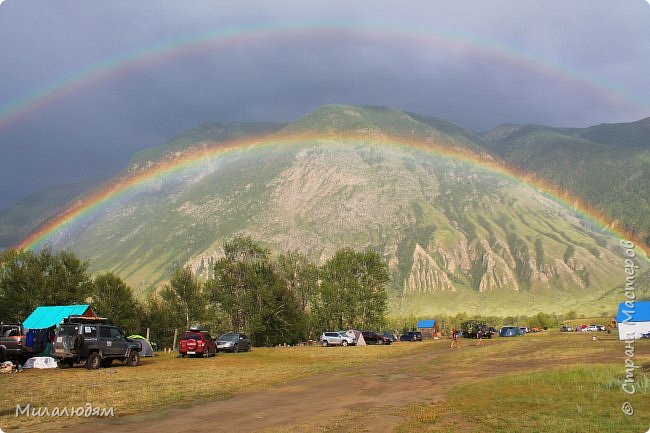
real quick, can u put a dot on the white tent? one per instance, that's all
(633, 320)
(358, 336)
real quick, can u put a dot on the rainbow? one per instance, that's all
(195, 159)
(93, 75)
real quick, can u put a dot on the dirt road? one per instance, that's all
(363, 400)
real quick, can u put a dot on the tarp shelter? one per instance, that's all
(145, 347)
(633, 320)
(428, 328)
(358, 336)
(46, 317)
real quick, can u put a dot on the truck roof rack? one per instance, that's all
(82, 319)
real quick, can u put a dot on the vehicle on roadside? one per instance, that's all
(233, 342)
(11, 341)
(411, 336)
(197, 342)
(93, 342)
(371, 337)
(511, 331)
(475, 329)
(336, 338)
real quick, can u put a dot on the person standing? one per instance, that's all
(454, 339)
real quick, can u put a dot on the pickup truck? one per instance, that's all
(11, 341)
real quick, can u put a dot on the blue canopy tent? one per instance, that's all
(46, 317)
(39, 326)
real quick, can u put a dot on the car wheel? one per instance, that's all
(344, 343)
(94, 361)
(324, 343)
(235, 349)
(133, 359)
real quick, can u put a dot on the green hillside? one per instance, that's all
(456, 236)
(607, 166)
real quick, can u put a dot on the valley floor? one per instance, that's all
(548, 382)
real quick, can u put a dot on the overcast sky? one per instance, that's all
(84, 84)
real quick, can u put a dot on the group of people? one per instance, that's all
(454, 339)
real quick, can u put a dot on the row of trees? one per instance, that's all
(275, 300)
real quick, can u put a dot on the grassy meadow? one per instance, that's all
(555, 382)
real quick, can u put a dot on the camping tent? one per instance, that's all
(145, 347)
(46, 317)
(633, 322)
(356, 335)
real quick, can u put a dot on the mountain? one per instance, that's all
(457, 234)
(607, 166)
(19, 220)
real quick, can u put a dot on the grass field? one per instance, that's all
(555, 383)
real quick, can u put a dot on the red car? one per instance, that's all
(374, 338)
(197, 342)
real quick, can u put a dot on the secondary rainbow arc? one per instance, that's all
(106, 69)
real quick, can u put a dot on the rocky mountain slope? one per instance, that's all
(457, 236)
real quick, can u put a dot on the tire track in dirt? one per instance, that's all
(366, 398)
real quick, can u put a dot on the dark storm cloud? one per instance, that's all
(476, 63)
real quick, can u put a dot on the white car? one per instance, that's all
(592, 328)
(336, 339)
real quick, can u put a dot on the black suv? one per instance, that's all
(475, 329)
(411, 336)
(11, 341)
(94, 342)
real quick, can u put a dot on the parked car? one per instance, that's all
(390, 336)
(566, 329)
(411, 336)
(333, 338)
(95, 342)
(475, 329)
(233, 342)
(11, 341)
(197, 342)
(511, 331)
(371, 337)
(592, 328)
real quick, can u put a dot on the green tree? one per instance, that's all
(28, 280)
(249, 290)
(353, 291)
(184, 297)
(300, 277)
(234, 282)
(112, 298)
